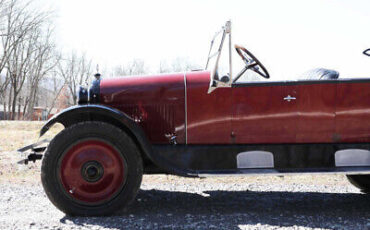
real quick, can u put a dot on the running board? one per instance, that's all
(352, 157)
(264, 159)
(278, 172)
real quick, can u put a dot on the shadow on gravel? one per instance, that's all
(232, 209)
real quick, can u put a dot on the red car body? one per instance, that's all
(325, 111)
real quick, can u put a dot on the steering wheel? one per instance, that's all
(367, 52)
(251, 62)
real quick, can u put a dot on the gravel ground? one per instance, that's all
(170, 202)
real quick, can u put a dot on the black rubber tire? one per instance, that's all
(360, 181)
(109, 133)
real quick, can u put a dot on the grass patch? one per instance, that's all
(14, 135)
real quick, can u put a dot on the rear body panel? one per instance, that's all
(316, 109)
(352, 118)
(326, 111)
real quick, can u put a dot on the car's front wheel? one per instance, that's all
(360, 181)
(91, 169)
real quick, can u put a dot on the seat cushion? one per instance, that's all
(320, 74)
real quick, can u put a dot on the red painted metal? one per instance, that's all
(157, 103)
(208, 115)
(316, 108)
(260, 115)
(103, 189)
(352, 117)
(323, 112)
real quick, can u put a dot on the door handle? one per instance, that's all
(289, 98)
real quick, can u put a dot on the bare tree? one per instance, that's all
(19, 67)
(44, 62)
(4, 79)
(17, 19)
(164, 67)
(134, 67)
(179, 64)
(58, 85)
(75, 70)
(21, 30)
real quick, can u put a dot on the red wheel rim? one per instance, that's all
(92, 171)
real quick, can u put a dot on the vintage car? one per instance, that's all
(203, 123)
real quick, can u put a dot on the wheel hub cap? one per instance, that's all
(92, 171)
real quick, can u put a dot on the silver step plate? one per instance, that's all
(255, 159)
(352, 157)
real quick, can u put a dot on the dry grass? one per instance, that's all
(14, 135)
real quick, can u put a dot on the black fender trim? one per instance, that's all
(94, 112)
(73, 115)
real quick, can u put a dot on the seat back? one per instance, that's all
(320, 74)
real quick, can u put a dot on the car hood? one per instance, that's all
(155, 102)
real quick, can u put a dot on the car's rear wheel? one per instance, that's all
(360, 181)
(91, 169)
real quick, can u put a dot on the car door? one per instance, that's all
(261, 115)
(316, 102)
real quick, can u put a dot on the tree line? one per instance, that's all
(34, 71)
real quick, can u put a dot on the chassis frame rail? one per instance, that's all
(34, 151)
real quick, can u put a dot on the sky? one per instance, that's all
(288, 36)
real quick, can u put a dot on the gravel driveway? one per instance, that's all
(169, 202)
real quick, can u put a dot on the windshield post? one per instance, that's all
(214, 78)
(230, 53)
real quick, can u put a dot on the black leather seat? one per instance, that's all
(320, 74)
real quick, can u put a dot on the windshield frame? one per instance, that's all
(214, 81)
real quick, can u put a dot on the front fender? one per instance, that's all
(80, 113)
(93, 112)
(76, 113)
